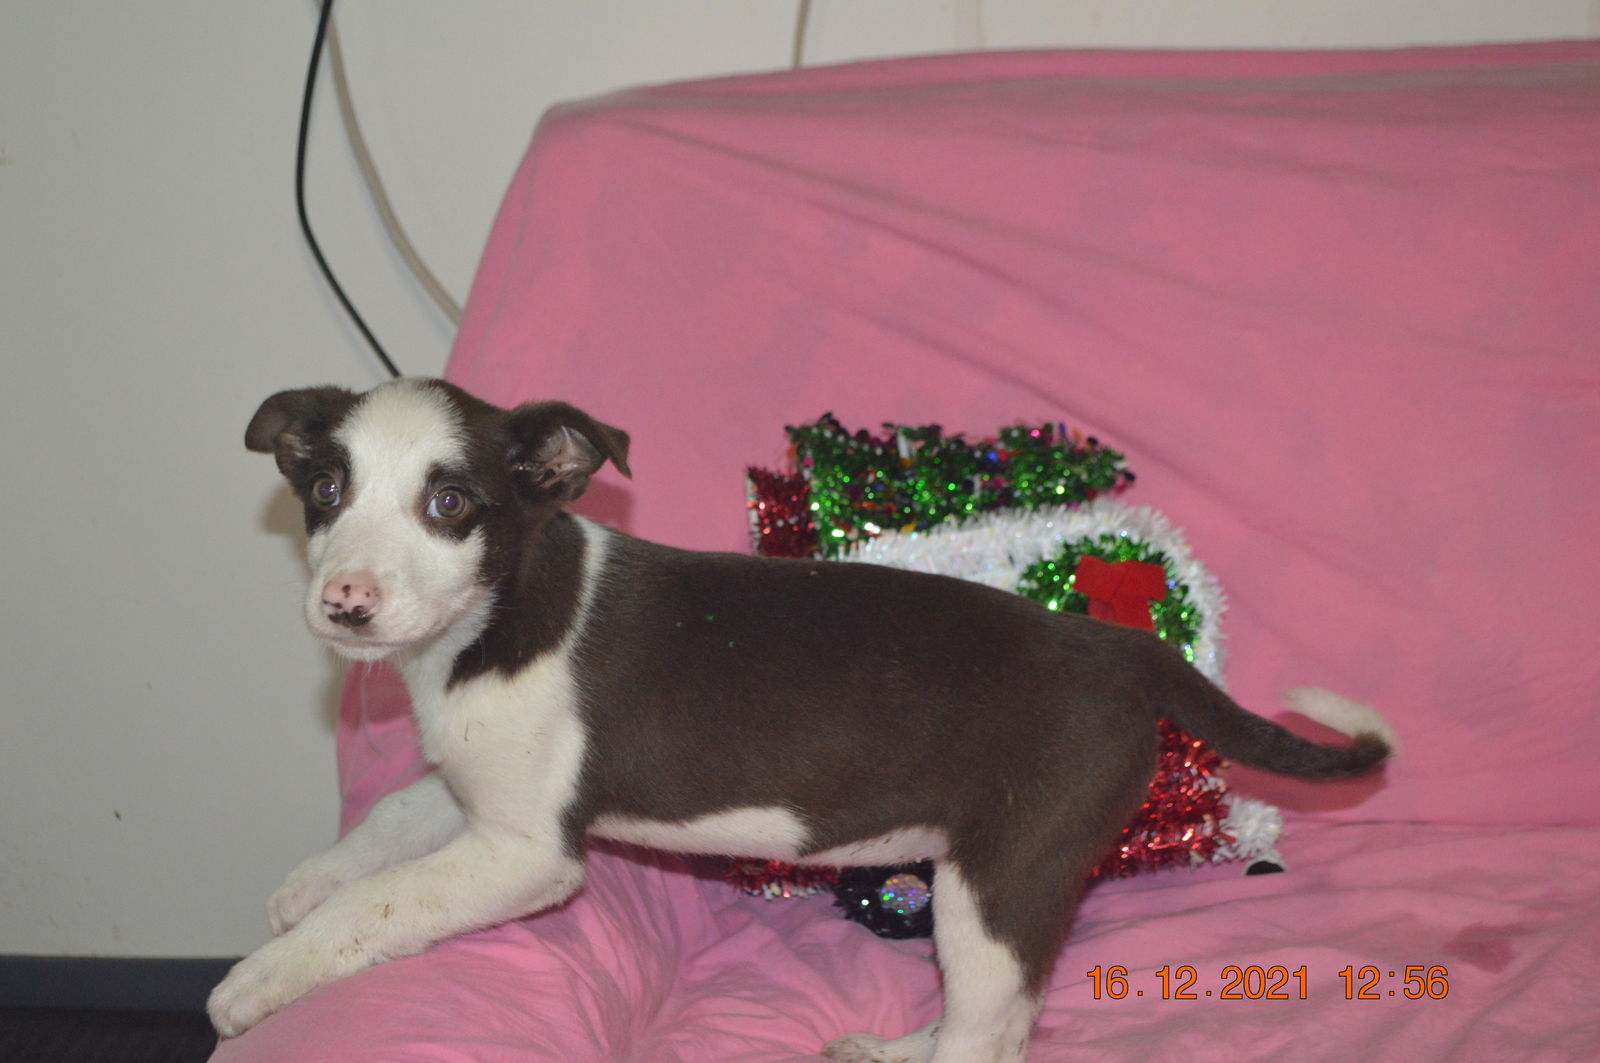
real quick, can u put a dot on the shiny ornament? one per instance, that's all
(904, 893)
(860, 895)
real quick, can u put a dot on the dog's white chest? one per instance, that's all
(511, 748)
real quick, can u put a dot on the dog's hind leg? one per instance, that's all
(990, 992)
(990, 995)
(1003, 904)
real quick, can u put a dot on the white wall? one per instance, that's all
(165, 741)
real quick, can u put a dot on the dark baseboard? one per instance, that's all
(122, 983)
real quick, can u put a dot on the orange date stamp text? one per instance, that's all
(1278, 982)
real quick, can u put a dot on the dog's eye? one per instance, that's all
(325, 491)
(448, 503)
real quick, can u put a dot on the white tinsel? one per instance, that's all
(1255, 827)
(997, 548)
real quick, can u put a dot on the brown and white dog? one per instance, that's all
(568, 681)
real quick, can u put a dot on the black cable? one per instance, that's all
(300, 191)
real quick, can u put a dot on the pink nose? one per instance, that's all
(351, 598)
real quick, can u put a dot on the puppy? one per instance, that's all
(569, 681)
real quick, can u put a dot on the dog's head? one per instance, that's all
(420, 498)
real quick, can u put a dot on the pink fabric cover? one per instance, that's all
(1341, 312)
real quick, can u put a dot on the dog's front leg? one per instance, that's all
(409, 823)
(481, 878)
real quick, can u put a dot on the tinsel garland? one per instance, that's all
(1181, 821)
(779, 505)
(773, 879)
(859, 485)
(919, 500)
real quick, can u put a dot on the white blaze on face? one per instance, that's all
(396, 437)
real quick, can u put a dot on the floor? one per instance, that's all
(53, 1035)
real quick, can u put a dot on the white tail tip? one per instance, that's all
(1345, 715)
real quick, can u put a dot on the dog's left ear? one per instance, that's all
(555, 448)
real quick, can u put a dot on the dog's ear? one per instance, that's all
(290, 423)
(555, 448)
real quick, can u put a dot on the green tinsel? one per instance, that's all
(915, 477)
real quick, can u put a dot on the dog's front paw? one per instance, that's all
(854, 1048)
(307, 886)
(260, 984)
(867, 1048)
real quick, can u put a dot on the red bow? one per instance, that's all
(1121, 591)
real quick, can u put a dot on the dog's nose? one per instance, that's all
(351, 598)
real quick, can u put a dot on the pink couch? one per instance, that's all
(1342, 313)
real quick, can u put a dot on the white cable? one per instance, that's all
(380, 195)
(375, 188)
(797, 53)
(969, 35)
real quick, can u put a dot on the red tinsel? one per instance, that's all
(1180, 823)
(780, 514)
(774, 878)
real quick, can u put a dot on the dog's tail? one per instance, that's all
(1250, 739)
